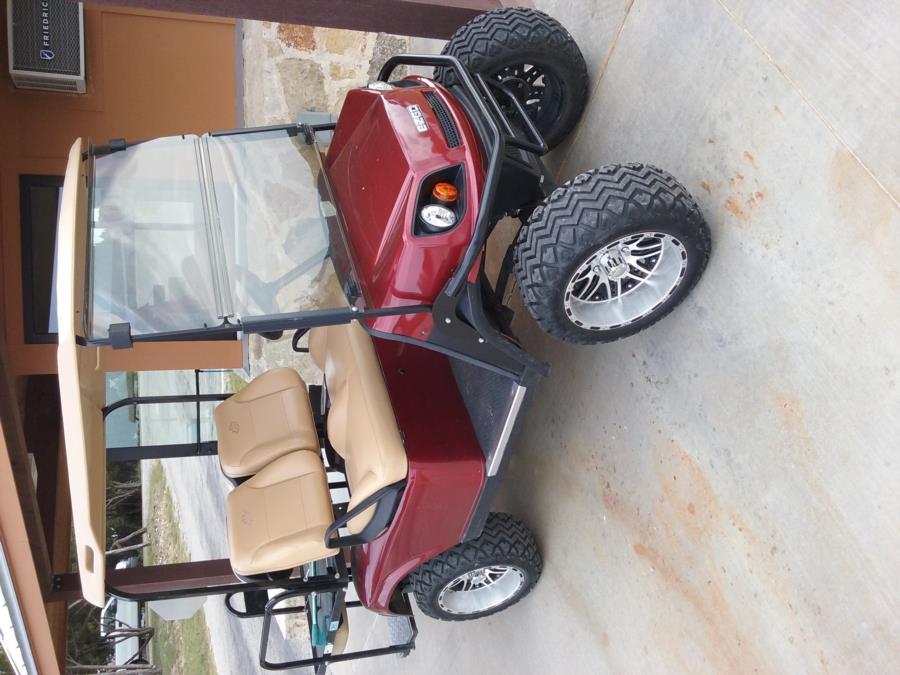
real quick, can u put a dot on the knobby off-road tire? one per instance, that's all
(567, 243)
(508, 44)
(505, 543)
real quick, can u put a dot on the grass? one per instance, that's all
(234, 382)
(178, 647)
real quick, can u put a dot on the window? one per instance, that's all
(39, 199)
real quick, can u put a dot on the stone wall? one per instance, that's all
(289, 68)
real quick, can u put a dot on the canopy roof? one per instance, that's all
(82, 385)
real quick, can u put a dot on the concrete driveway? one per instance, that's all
(720, 494)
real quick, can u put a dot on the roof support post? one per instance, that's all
(419, 18)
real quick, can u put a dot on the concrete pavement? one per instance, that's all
(719, 494)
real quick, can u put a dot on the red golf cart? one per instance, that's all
(363, 243)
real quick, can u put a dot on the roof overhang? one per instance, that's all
(82, 385)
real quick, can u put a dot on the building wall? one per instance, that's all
(148, 74)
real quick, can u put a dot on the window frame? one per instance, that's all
(26, 182)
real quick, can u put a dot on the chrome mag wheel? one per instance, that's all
(481, 589)
(624, 281)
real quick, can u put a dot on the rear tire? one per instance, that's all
(480, 577)
(611, 252)
(535, 56)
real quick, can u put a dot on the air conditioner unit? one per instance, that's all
(46, 45)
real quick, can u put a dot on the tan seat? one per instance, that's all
(361, 423)
(268, 418)
(277, 519)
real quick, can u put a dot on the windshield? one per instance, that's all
(189, 231)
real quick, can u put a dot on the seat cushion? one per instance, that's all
(361, 423)
(268, 418)
(277, 519)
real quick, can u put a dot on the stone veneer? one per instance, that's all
(289, 68)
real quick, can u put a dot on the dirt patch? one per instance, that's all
(178, 647)
(745, 192)
(733, 205)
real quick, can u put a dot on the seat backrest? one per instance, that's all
(361, 424)
(268, 418)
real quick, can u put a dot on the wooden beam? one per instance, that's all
(420, 18)
(41, 426)
(20, 527)
(203, 577)
(20, 472)
(58, 612)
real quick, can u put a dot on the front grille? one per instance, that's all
(46, 83)
(451, 134)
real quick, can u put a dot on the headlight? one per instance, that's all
(441, 202)
(438, 217)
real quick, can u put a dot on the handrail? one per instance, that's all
(150, 400)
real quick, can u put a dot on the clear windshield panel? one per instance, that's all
(150, 258)
(276, 241)
(188, 231)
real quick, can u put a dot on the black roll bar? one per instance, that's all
(495, 150)
(479, 90)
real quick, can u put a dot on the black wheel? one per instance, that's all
(482, 576)
(611, 252)
(534, 57)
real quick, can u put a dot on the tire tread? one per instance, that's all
(504, 537)
(592, 206)
(509, 29)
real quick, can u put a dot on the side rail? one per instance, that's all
(165, 451)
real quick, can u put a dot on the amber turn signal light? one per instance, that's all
(445, 192)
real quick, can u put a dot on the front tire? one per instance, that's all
(480, 577)
(610, 253)
(534, 56)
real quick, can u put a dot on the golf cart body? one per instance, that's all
(181, 238)
(208, 215)
(364, 241)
